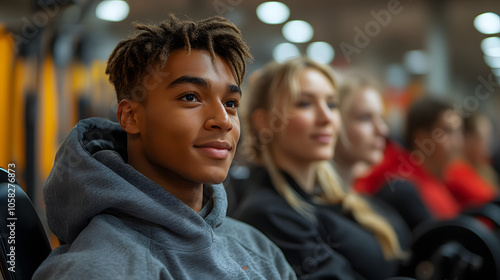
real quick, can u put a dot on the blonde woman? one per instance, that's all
(363, 136)
(294, 195)
(362, 143)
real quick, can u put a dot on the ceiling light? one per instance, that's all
(487, 23)
(297, 31)
(273, 12)
(491, 46)
(112, 10)
(321, 52)
(416, 62)
(396, 76)
(493, 62)
(285, 51)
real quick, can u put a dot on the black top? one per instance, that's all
(336, 247)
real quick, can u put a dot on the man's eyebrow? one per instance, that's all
(190, 80)
(201, 82)
(233, 88)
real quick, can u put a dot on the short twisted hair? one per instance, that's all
(133, 58)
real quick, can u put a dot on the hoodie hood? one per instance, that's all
(90, 176)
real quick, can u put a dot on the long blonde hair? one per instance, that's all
(277, 85)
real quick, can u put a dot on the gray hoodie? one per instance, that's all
(117, 224)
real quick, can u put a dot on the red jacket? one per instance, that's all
(467, 186)
(398, 163)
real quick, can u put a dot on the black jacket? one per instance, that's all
(336, 247)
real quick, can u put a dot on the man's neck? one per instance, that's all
(192, 197)
(437, 171)
(188, 192)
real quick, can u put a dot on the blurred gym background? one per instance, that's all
(53, 55)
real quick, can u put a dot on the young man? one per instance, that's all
(133, 200)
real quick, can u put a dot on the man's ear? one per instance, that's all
(127, 115)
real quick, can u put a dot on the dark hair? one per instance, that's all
(423, 114)
(133, 58)
(472, 121)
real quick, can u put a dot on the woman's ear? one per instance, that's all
(127, 115)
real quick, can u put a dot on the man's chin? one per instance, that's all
(215, 182)
(214, 179)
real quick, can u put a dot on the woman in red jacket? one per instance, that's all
(471, 178)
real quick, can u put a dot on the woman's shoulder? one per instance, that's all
(261, 200)
(251, 188)
(263, 207)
